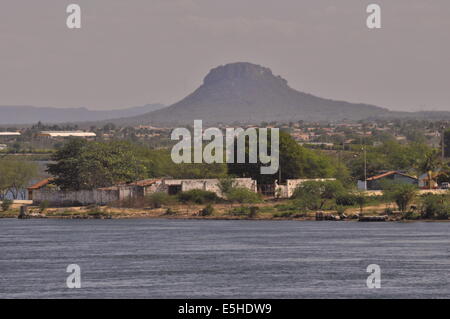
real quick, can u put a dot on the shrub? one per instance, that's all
(346, 199)
(313, 195)
(157, 200)
(402, 194)
(411, 216)
(207, 211)
(170, 212)
(198, 196)
(435, 207)
(6, 204)
(243, 196)
(226, 185)
(340, 210)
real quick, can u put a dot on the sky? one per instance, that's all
(134, 52)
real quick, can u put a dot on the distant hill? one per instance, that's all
(31, 114)
(249, 93)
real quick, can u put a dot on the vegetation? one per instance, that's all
(435, 207)
(157, 200)
(6, 204)
(15, 177)
(314, 195)
(207, 211)
(197, 196)
(243, 196)
(83, 165)
(295, 161)
(402, 194)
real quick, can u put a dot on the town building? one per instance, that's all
(377, 182)
(61, 134)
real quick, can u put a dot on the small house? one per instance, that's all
(376, 182)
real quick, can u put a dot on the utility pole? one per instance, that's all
(363, 148)
(365, 168)
(443, 143)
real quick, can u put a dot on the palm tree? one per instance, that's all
(431, 163)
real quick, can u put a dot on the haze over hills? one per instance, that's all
(31, 114)
(249, 93)
(233, 93)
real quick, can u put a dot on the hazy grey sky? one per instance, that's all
(135, 52)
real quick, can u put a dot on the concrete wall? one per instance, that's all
(112, 194)
(211, 185)
(84, 197)
(286, 191)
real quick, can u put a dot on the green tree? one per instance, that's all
(295, 162)
(15, 176)
(401, 194)
(87, 165)
(6, 204)
(430, 164)
(314, 195)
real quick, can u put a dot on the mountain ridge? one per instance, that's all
(24, 114)
(249, 93)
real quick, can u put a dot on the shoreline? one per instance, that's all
(219, 218)
(227, 212)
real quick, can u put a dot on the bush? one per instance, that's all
(170, 212)
(6, 204)
(340, 210)
(314, 195)
(226, 185)
(243, 196)
(346, 199)
(157, 200)
(435, 207)
(98, 213)
(207, 211)
(198, 196)
(402, 194)
(411, 216)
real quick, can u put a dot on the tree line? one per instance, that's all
(15, 176)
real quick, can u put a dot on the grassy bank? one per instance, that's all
(276, 210)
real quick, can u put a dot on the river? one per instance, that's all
(222, 259)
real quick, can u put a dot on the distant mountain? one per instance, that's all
(249, 93)
(31, 114)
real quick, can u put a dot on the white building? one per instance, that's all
(56, 134)
(8, 134)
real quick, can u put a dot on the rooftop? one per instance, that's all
(10, 134)
(67, 134)
(373, 178)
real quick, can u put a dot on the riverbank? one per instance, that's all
(276, 211)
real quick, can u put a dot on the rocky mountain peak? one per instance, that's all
(241, 71)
